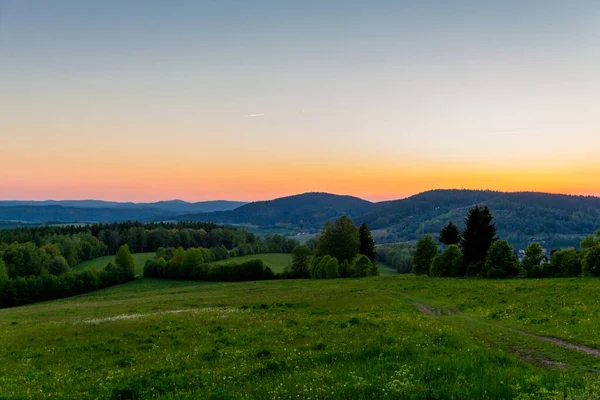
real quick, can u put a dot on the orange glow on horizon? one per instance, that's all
(148, 180)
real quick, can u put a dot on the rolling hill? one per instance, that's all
(303, 211)
(521, 217)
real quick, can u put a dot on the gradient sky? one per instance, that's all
(245, 100)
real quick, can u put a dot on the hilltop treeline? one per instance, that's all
(477, 251)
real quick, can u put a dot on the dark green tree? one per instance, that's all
(125, 261)
(301, 262)
(565, 263)
(449, 263)
(332, 269)
(339, 239)
(367, 244)
(478, 236)
(58, 266)
(3, 270)
(501, 261)
(192, 258)
(591, 261)
(424, 255)
(532, 261)
(450, 234)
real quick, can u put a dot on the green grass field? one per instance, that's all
(385, 269)
(384, 337)
(276, 261)
(101, 262)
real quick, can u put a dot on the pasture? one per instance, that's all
(382, 337)
(101, 262)
(276, 261)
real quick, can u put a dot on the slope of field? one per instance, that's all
(276, 261)
(385, 269)
(383, 337)
(101, 262)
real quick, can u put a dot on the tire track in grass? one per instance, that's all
(541, 357)
(530, 354)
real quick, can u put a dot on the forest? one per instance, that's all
(36, 263)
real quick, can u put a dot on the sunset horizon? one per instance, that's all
(118, 101)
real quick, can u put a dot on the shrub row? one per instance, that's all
(252, 270)
(26, 290)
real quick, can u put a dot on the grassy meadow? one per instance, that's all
(383, 337)
(276, 261)
(101, 262)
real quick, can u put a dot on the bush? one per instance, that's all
(189, 268)
(361, 266)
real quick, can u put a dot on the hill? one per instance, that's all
(304, 211)
(521, 217)
(104, 211)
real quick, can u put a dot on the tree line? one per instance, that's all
(35, 263)
(47, 286)
(342, 250)
(477, 251)
(193, 264)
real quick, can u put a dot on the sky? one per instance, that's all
(246, 100)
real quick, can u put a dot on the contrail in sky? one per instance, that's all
(523, 132)
(253, 115)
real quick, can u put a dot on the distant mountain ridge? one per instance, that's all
(104, 211)
(521, 217)
(555, 220)
(170, 205)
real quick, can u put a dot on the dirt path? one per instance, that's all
(559, 342)
(425, 310)
(562, 343)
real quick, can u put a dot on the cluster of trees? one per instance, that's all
(19, 290)
(341, 251)
(56, 255)
(35, 263)
(476, 251)
(150, 237)
(564, 262)
(193, 264)
(29, 251)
